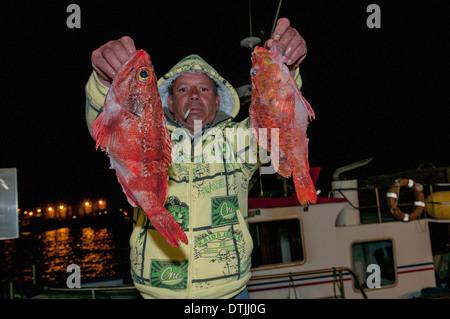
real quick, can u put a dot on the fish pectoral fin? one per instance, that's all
(98, 130)
(104, 134)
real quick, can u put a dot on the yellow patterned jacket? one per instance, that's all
(208, 189)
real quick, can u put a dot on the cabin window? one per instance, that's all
(378, 253)
(277, 241)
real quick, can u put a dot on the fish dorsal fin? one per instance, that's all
(305, 104)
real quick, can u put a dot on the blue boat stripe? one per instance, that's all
(415, 265)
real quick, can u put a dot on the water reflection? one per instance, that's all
(91, 249)
(58, 252)
(100, 252)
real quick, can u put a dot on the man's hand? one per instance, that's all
(108, 58)
(291, 43)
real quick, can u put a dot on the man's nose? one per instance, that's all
(193, 94)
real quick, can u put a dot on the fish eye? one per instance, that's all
(253, 72)
(144, 75)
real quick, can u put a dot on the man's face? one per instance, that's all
(194, 91)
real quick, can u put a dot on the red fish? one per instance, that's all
(132, 130)
(277, 103)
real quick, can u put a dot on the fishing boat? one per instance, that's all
(338, 248)
(349, 244)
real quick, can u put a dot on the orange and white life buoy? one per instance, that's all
(393, 194)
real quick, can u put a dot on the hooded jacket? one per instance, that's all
(207, 195)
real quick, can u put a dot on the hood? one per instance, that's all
(229, 100)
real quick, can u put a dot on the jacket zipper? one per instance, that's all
(191, 221)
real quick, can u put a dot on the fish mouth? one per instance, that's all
(140, 53)
(136, 55)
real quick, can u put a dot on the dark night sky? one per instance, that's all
(376, 92)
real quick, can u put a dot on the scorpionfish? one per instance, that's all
(132, 131)
(277, 103)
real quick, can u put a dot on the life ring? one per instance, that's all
(392, 199)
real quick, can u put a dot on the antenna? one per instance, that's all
(276, 17)
(250, 41)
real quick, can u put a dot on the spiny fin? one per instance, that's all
(306, 105)
(98, 130)
(104, 132)
(167, 145)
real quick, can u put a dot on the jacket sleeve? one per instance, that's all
(246, 149)
(298, 78)
(95, 98)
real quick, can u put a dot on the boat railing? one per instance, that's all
(36, 280)
(379, 206)
(93, 290)
(337, 272)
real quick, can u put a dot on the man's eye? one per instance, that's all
(182, 90)
(204, 89)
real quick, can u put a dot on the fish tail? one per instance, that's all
(304, 187)
(167, 226)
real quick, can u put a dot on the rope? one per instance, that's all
(250, 16)
(291, 282)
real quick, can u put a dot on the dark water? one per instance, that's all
(99, 251)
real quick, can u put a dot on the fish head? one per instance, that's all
(268, 71)
(262, 64)
(135, 85)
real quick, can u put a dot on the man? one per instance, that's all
(207, 198)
